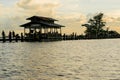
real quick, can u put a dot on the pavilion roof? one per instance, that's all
(41, 25)
(42, 18)
(52, 24)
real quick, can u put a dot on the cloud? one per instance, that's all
(13, 16)
(112, 22)
(26, 8)
(38, 7)
(73, 22)
(68, 12)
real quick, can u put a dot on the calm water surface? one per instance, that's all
(62, 60)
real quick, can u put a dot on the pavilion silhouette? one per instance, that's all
(42, 28)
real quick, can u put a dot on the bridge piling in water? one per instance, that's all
(11, 37)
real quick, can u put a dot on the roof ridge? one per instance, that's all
(42, 18)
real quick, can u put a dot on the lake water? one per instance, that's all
(61, 60)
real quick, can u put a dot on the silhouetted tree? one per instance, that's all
(114, 34)
(94, 26)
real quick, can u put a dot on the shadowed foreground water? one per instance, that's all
(64, 60)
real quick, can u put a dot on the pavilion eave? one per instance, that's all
(41, 25)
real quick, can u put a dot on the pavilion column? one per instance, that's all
(35, 30)
(60, 31)
(50, 30)
(40, 30)
(45, 31)
(29, 30)
(29, 33)
(54, 30)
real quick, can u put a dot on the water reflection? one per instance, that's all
(64, 60)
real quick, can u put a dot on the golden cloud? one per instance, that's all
(12, 17)
(38, 7)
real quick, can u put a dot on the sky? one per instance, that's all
(70, 13)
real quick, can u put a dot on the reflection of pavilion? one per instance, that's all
(42, 28)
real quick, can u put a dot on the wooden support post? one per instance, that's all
(10, 36)
(24, 31)
(60, 33)
(22, 37)
(40, 34)
(16, 37)
(29, 36)
(3, 36)
(46, 33)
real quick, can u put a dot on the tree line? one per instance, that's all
(95, 29)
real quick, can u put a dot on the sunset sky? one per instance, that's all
(71, 13)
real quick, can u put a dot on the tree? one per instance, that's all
(94, 26)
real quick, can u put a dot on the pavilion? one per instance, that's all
(40, 28)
